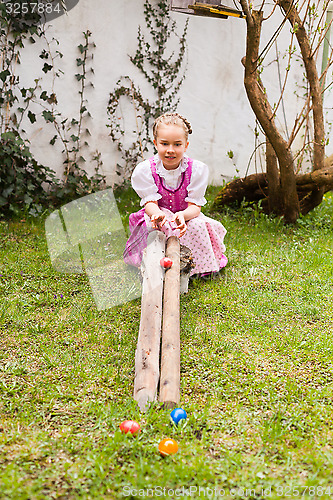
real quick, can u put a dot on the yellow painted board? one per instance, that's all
(219, 12)
(225, 13)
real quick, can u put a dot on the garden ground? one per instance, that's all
(256, 373)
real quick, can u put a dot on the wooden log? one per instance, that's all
(318, 178)
(254, 186)
(148, 346)
(328, 162)
(170, 356)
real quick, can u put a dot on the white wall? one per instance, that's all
(212, 96)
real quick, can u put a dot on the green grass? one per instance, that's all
(256, 373)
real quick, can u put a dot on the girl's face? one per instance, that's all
(171, 145)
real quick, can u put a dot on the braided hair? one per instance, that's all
(172, 119)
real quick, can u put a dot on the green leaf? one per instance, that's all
(44, 54)
(48, 116)
(4, 74)
(27, 199)
(32, 117)
(47, 67)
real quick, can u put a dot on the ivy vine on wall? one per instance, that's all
(22, 178)
(25, 185)
(74, 133)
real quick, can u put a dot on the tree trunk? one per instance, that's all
(263, 111)
(273, 181)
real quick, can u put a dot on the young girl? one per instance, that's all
(172, 187)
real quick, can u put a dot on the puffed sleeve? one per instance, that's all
(143, 183)
(198, 184)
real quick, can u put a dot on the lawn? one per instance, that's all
(256, 373)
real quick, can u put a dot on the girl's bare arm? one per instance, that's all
(181, 217)
(157, 217)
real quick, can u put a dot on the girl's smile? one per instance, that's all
(171, 145)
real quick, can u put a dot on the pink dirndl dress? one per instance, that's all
(204, 236)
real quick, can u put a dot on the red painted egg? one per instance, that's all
(167, 447)
(166, 263)
(130, 426)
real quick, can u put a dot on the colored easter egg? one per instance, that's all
(178, 414)
(167, 447)
(166, 263)
(130, 426)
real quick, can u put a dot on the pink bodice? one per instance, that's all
(172, 199)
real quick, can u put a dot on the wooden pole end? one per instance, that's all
(169, 405)
(143, 401)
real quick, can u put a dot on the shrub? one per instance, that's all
(24, 183)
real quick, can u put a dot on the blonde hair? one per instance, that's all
(172, 119)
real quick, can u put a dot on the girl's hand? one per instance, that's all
(179, 219)
(158, 220)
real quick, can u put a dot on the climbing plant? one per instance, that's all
(130, 113)
(73, 133)
(25, 184)
(22, 178)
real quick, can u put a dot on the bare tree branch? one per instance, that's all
(312, 77)
(247, 12)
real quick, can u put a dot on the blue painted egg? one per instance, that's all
(178, 414)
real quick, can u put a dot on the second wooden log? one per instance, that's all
(170, 353)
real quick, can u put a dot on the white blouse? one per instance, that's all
(144, 185)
